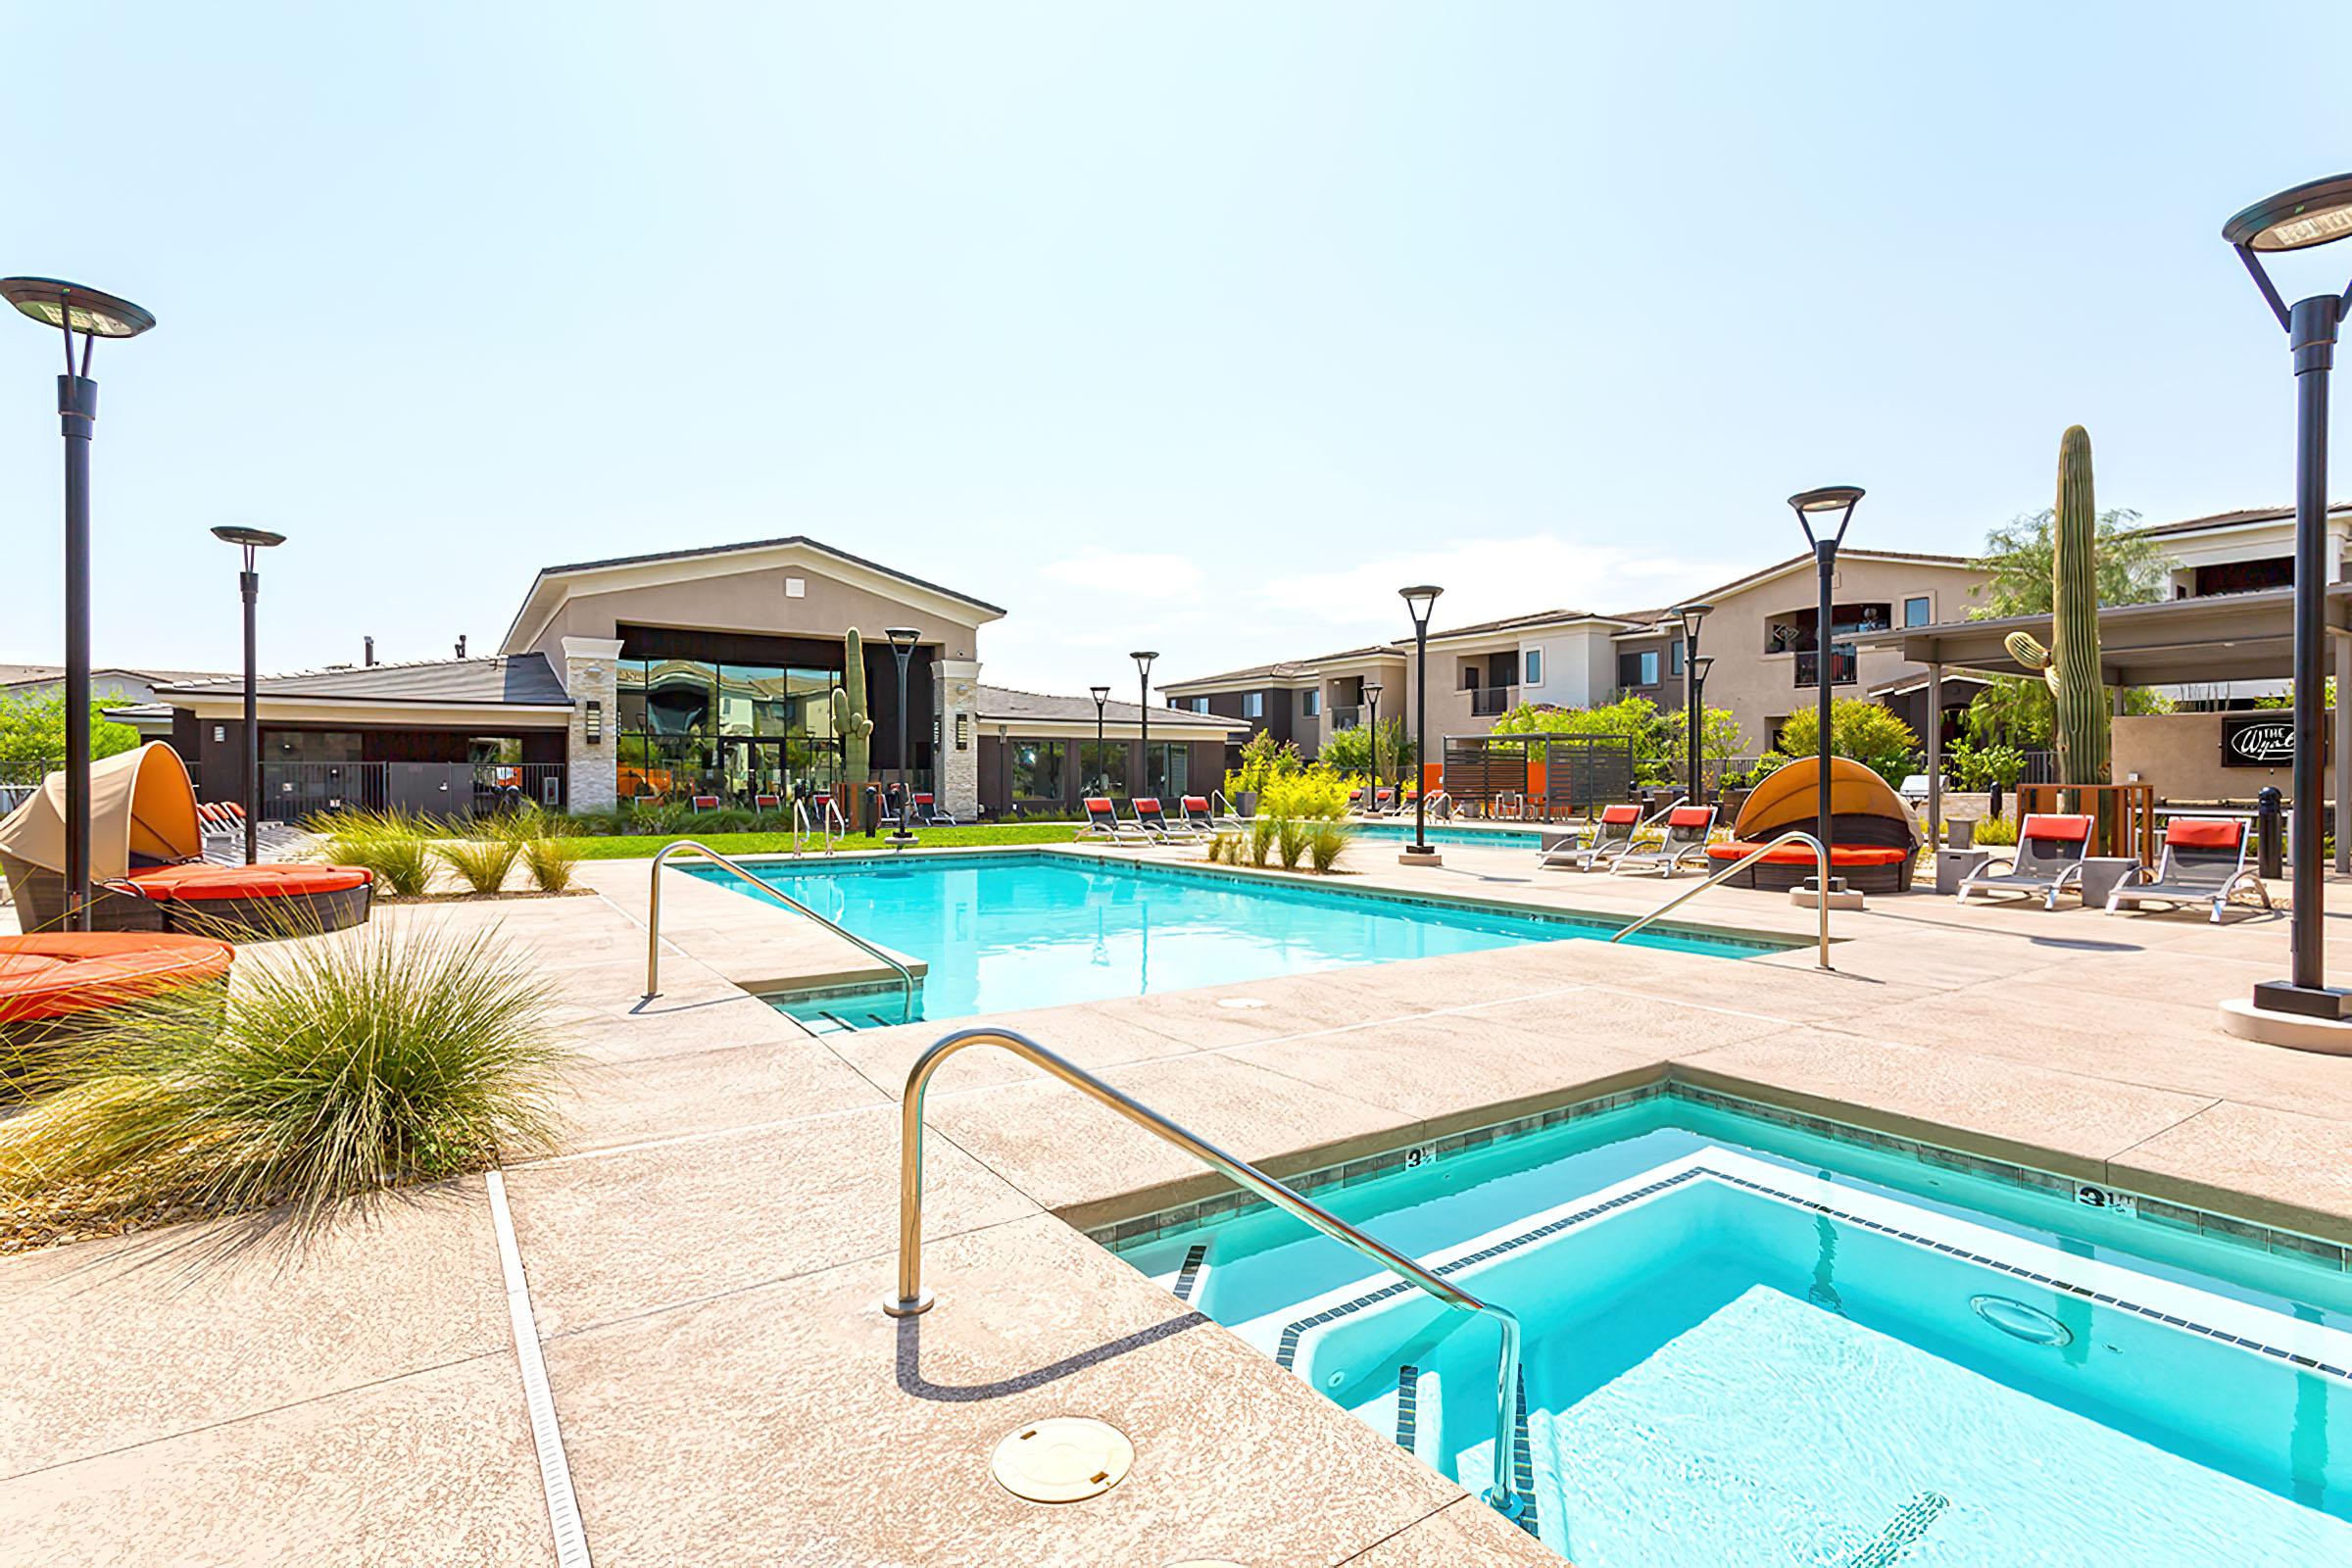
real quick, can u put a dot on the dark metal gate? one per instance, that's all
(1548, 776)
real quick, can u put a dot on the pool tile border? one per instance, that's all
(1130, 1233)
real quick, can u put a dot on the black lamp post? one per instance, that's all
(1814, 510)
(1142, 676)
(902, 643)
(2293, 221)
(1100, 695)
(1419, 601)
(249, 584)
(71, 308)
(1372, 691)
(1689, 615)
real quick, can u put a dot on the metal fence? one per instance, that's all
(294, 791)
(1551, 776)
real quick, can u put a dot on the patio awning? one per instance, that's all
(2175, 641)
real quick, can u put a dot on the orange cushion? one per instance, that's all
(2051, 828)
(197, 881)
(50, 976)
(1196, 802)
(1688, 817)
(2203, 833)
(1619, 815)
(1799, 855)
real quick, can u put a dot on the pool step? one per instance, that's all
(828, 1022)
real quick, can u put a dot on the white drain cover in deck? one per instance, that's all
(1063, 1459)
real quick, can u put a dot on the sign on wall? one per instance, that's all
(2263, 739)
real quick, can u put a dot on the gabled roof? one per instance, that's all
(37, 674)
(518, 679)
(2232, 520)
(550, 578)
(1779, 567)
(1281, 669)
(1005, 705)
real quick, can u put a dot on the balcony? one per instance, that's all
(1493, 702)
(1841, 668)
(1344, 717)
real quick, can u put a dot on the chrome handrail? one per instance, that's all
(829, 827)
(1821, 903)
(652, 924)
(913, 1298)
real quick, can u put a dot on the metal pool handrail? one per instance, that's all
(652, 924)
(913, 1298)
(1821, 905)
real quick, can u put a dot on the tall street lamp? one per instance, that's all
(249, 583)
(71, 308)
(1419, 601)
(1372, 691)
(1815, 510)
(1142, 676)
(902, 643)
(1100, 695)
(2293, 221)
(1689, 615)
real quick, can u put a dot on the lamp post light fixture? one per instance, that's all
(1419, 601)
(248, 585)
(1815, 510)
(2310, 214)
(1142, 676)
(1695, 671)
(902, 645)
(71, 308)
(1100, 695)
(1372, 691)
(1688, 617)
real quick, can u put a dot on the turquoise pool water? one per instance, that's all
(1507, 838)
(1774, 1348)
(1005, 932)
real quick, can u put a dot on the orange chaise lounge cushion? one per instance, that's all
(198, 881)
(1800, 854)
(53, 975)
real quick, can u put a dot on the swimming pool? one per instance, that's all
(1504, 838)
(1005, 932)
(1747, 1343)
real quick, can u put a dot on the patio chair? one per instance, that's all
(1103, 822)
(2049, 860)
(2204, 862)
(1154, 820)
(1610, 835)
(1686, 840)
(706, 803)
(1200, 818)
(1384, 801)
(1355, 802)
(928, 814)
(767, 803)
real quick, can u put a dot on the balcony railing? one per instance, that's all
(1492, 702)
(1841, 668)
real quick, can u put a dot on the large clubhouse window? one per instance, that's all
(1037, 770)
(691, 726)
(1171, 769)
(1105, 766)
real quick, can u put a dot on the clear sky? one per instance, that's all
(1200, 325)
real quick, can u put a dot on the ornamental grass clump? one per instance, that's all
(341, 1066)
(482, 864)
(397, 845)
(1327, 841)
(552, 863)
(1291, 838)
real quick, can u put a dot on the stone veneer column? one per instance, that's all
(955, 683)
(590, 675)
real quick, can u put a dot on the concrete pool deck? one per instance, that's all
(706, 1255)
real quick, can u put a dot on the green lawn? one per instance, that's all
(643, 846)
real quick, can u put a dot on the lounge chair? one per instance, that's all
(1686, 828)
(928, 814)
(1384, 803)
(1103, 822)
(767, 803)
(2204, 862)
(1154, 820)
(1355, 802)
(1200, 818)
(706, 803)
(2048, 861)
(1611, 834)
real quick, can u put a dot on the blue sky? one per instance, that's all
(1203, 325)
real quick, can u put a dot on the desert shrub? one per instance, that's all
(1263, 760)
(1325, 841)
(1993, 832)
(1262, 839)
(1313, 793)
(551, 863)
(483, 863)
(388, 1056)
(1861, 730)
(396, 846)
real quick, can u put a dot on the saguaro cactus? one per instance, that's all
(851, 720)
(2071, 665)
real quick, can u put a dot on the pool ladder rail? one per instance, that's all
(1821, 905)
(653, 923)
(913, 1299)
(826, 826)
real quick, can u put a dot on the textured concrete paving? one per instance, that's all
(707, 1252)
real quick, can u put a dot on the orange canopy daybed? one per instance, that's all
(147, 871)
(52, 981)
(1873, 841)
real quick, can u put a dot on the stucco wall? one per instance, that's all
(2181, 754)
(753, 601)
